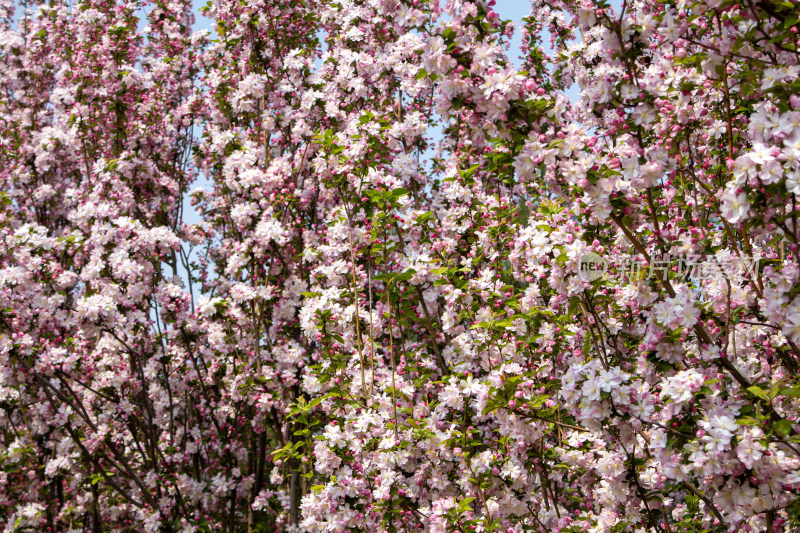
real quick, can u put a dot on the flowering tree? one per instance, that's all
(425, 289)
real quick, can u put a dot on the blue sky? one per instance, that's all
(513, 10)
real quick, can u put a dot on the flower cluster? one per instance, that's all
(371, 316)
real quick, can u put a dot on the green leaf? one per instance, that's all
(789, 392)
(747, 421)
(757, 392)
(405, 276)
(399, 193)
(463, 505)
(783, 427)
(470, 171)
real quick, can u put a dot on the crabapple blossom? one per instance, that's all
(325, 269)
